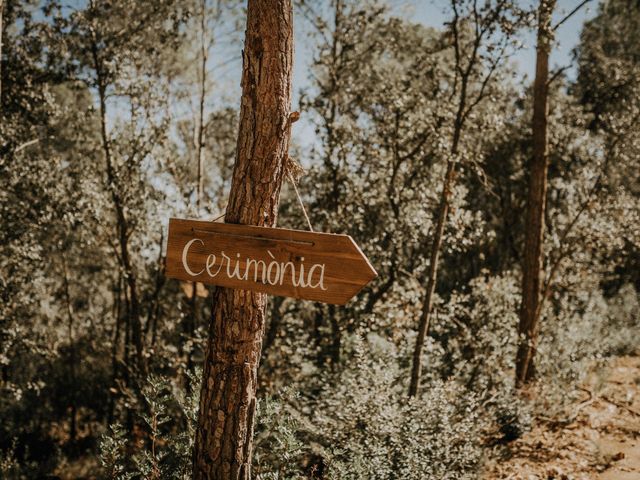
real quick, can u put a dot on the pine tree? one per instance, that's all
(228, 397)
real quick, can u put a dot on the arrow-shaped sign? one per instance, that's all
(323, 267)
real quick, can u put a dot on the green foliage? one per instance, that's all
(369, 429)
(113, 453)
(382, 103)
(164, 447)
(279, 451)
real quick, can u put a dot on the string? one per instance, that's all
(304, 210)
(219, 217)
(295, 188)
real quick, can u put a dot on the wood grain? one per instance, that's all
(346, 269)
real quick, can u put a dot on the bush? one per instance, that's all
(368, 428)
(163, 449)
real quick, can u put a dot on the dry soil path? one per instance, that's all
(602, 443)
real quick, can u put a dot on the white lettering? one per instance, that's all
(273, 264)
(185, 251)
(320, 280)
(255, 272)
(301, 277)
(293, 273)
(211, 261)
(264, 271)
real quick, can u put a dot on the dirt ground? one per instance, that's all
(602, 442)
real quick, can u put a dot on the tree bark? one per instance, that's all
(448, 182)
(1, 34)
(117, 292)
(72, 350)
(227, 403)
(534, 220)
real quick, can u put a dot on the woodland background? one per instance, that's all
(117, 114)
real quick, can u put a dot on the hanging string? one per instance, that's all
(292, 166)
(219, 217)
(304, 210)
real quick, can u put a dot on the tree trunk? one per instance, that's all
(72, 351)
(191, 320)
(448, 183)
(534, 220)
(465, 67)
(117, 293)
(227, 402)
(122, 225)
(1, 33)
(203, 95)
(427, 305)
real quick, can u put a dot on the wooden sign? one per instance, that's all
(315, 266)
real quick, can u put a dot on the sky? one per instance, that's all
(225, 60)
(434, 13)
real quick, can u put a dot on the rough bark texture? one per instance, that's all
(534, 220)
(227, 403)
(1, 33)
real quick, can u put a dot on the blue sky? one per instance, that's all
(434, 13)
(225, 61)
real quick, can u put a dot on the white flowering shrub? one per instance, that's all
(366, 427)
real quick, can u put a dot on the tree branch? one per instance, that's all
(571, 13)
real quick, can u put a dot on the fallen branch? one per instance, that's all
(563, 422)
(621, 405)
(611, 401)
(27, 144)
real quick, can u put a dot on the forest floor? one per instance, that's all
(600, 442)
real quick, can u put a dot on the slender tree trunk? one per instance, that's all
(114, 347)
(155, 298)
(191, 320)
(534, 220)
(336, 338)
(203, 93)
(126, 349)
(448, 183)
(190, 331)
(427, 305)
(227, 403)
(274, 324)
(121, 219)
(464, 66)
(1, 34)
(72, 351)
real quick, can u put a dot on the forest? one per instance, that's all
(493, 190)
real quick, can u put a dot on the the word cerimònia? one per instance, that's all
(271, 272)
